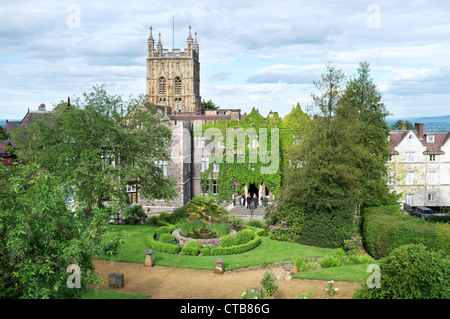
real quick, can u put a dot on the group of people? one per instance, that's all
(251, 199)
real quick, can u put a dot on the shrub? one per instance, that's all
(162, 247)
(268, 283)
(411, 272)
(152, 220)
(164, 230)
(255, 223)
(192, 248)
(386, 228)
(164, 216)
(167, 238)
(300, 263)
(330, 261)
(353, 245)
(244, 236)
(237, 249)
(228, 241)
(133, 215)
(282, 232)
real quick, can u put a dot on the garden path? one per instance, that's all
(181, 283)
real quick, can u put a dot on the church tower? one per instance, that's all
(173, 77)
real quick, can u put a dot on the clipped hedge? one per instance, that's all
(162, 247)
(164, 230)
(253, 243)
(386, 228)
(192, 248)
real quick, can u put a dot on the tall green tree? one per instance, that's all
(361, 109)
(98, 145)
(41, 240)
(322, 188)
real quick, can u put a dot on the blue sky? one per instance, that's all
(252, 53)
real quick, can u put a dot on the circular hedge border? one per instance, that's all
(207, 251)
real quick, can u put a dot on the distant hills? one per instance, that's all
(436, 123)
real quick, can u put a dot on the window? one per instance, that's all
(430, 138)
(132, 194)
(162, 85)
(177, 86)
(200, 142)
(162, 165)
(409, 177)
(215, 167)
(205, 163)
(432, 158)
(431, 177)
(409, 199)
(431, 197)
(409, 156)
(409, 140)
(214, 187)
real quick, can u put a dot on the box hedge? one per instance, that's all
(192, 248)
(162, 247)
(386, 228)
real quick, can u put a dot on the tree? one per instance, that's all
(3, 135)
(41, 242)
(98, 149)
(323, 187)
(402, 125)
(361, 109)
(208, 106)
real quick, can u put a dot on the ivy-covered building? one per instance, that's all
(222, 152)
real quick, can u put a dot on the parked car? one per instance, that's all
(422, 212)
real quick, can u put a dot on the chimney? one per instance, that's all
(41, 107)
(419, 129)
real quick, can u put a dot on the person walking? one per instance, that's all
(249, 199)
(255, 200)
(243, 199)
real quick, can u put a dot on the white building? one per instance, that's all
(420, 166)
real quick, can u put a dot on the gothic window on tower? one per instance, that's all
(162, 85)
(177, 85)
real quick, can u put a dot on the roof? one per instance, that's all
(11, 125)
(440, 138)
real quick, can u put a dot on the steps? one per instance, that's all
(245, 214)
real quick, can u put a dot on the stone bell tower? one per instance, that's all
(173, 77)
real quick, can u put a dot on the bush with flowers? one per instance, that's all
(282, 232)
(353, 245)
(283, 222)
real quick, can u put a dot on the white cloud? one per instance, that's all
(252, 53)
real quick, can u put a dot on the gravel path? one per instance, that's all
(181, 283)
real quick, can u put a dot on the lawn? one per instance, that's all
(108, 294)
(346, 273)
(268, 252)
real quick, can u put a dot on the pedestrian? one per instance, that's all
(243, 199)
(248, 201)
(255, 200)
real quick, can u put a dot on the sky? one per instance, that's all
(263, 54)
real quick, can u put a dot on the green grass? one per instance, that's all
(346, 273)
(108, 294)
(268, 252)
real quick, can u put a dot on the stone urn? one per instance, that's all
(219, 266)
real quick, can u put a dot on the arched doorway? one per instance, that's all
(253, 190)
